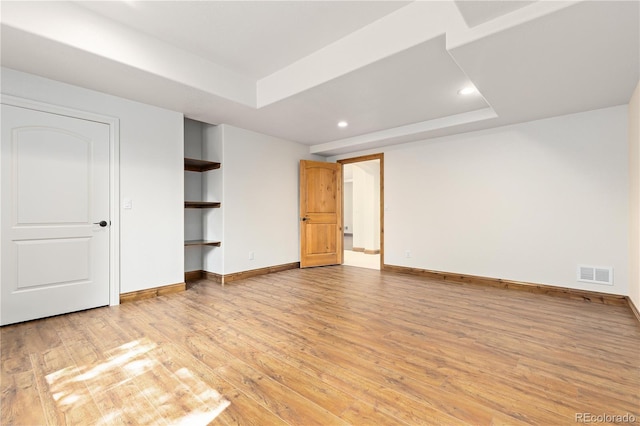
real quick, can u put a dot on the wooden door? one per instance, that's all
(55, 214)
(320, 213)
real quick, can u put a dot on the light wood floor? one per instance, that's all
(327, 346)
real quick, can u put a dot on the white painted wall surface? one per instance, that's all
(375, 229)
(634, 197)
(373, 172)
(526, 202)
(151, 175)
(362, 208)
(260, 205)
(213, 190)
(348, 204)
(366, 204)
(193, 138)
(360, 198)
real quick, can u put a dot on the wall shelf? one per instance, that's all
(194, 165)
(202, 185)
(202, 243)
(201, 205)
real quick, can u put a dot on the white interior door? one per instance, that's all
(54, 192)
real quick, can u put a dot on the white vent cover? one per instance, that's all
(595, 274)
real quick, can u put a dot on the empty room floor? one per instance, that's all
(328, 346)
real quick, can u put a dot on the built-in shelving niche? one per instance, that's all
(201, 218)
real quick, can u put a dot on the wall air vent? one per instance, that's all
(595, 274)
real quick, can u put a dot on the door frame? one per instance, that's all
(379, 156)
(114, 177)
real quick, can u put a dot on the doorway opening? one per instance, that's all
(363, 213)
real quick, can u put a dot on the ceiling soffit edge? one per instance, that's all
(363, 141)
(113, 41)
(402, 29)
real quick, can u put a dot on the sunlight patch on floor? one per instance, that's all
(137, 382)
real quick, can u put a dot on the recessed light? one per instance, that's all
(467, 90)
(342, 124)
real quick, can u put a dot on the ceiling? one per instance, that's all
(293, 69)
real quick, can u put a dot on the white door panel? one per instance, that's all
(55, 189)
(52, 262)
(68, 176)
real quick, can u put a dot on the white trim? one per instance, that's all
(114, 177)
(114, 203)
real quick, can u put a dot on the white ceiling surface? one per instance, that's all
(477, 12)
(294, 69)
(252, 38)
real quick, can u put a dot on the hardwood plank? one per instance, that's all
(384, 377)
(242, 409)
(276, 397)
(361, 412)
(334, 345)
(21, 400)
(266, 391)
(308, 386)
(355, 383)
(71, 399)
(123, 405)
(452, 354)
(117, 396)
(321, 372)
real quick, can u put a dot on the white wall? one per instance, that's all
(260, 199)
(526, 202)
(151, 175)
(348, 204)
(213, 190)
(634, 197)
(360, 203)
(366, 204)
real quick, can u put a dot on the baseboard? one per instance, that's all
(152, 292)
(193, 276)
(212, 276)
(570, 293)
(365, 251)
(634, 308)
(223, 279)
(261, 271)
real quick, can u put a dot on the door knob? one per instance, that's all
(304, 219)
(102, 223)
